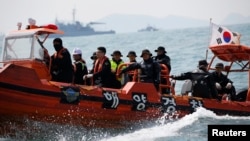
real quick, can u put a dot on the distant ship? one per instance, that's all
(76, 28)
(148, 29)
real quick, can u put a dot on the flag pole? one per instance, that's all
(210, 38)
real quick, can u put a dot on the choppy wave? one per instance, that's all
(189, 128)
(192, 127)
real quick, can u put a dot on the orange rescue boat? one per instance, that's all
(26, 90)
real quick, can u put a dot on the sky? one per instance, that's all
(46, 11)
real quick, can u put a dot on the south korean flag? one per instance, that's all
(221, 36)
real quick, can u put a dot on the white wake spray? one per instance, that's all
(171, 128)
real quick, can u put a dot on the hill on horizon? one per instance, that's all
(132, 23)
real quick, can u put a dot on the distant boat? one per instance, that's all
(76, 28)
(148, 29)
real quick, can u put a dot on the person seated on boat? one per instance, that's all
(149, 69)
(102, 75)
(223, 84)
(203, 84)
(61, 63)
(162, 58)
(79, 66)
(116, 61)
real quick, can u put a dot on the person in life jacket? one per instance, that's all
(116, 61)
(149, 69)
(61, 63)
(203, 84)
(79, 66)
(102, 75)
(162, 58)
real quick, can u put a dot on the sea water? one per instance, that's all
(185, 47)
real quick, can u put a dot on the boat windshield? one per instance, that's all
(21, 48)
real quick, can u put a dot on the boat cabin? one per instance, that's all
(27, 45)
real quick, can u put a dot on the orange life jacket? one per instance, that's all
(99, 64)
(59, 54)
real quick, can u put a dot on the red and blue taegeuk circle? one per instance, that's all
(227, 36)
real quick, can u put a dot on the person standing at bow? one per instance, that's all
(61, 63)
(79, 65)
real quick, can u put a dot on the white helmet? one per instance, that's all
(77, 51)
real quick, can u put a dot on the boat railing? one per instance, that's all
(164, 75)
(134, 73)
